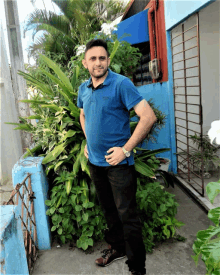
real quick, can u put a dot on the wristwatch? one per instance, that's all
(127, 153)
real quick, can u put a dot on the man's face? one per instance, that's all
(96, 61)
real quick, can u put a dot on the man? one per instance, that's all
(105, 101)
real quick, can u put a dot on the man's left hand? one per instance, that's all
(116, 155)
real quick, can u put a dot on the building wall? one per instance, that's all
(11, 146)
(210, 61)
(177, 12)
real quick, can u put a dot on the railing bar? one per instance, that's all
(185, 86)
(185, 50)
(180, 162)
(184, 41)
(25, 225)
(185, 144)
(185, 112)
(187, 103)
(27, 209)
(186, 95)
(185, 68)
(185, 59)
(185, 77)
(187, 120)
(194, 174)
(184, 31)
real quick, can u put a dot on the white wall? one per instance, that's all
(210, 60)
(11, 148)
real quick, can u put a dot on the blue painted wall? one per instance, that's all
(160, 95)
(13, 257)
(176, 11)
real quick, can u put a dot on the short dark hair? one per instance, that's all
(97, 43)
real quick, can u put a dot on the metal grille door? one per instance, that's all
(185, 43)
(23, 196)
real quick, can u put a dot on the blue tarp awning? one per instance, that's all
(136, 26)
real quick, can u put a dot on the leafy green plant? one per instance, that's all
(157, 209)
(207, 244)
(73, 215)
(208, 153)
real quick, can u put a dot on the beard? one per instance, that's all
(100, 74)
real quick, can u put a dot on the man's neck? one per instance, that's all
(97, 81)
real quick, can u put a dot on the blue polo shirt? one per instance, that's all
(107, 120)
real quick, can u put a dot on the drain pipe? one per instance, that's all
(153, 32)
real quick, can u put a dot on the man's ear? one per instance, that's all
(84, 63)
(109, 61)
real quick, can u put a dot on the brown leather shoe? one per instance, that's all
(110, 255)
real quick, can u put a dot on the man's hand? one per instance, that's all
(116, 156)
(86, 152)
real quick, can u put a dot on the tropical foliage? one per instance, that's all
(207, 244)
(61, 33)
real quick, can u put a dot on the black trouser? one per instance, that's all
(116, 188)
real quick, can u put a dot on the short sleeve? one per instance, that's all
(129, 94)
(79, 99)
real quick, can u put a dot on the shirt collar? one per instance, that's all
(106, 82)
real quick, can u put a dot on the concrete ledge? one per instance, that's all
(13, 256)
(202, 200)
(33, 165)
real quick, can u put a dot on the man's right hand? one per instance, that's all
(86, 152)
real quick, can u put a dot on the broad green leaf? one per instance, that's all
(30, 153)
(57, 165)
(70, 133)
(45, 89)
(53, 228)
(214, 215)
(84, 245)
(117, 68)
(59, 201)
(63, 239)
(76, 164)
(51, 106)
(24, 127)
(78, 208)
(48, 202)
(150, 153)
(33, 101)
(61, 210)
(56, 80)
(114, 50)
(52, 210)
(75, 77)
(54, 154)
(143, 168)
(90, 241)
(68, 186)
(58, 71)
(75, 148)
(212, 190)
(34, 117)
(85, 217)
